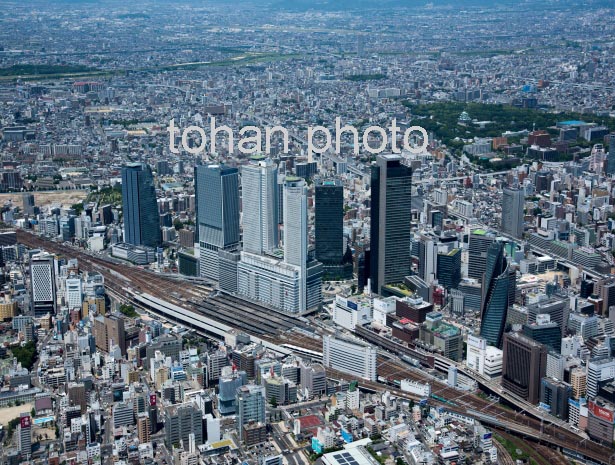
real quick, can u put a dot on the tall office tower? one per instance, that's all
(498, 286)
(143, 427)
(295, 231)
(295, 225)
(280, 197)
(557, 307)
(140, 209)
(250, 401)
(523, 366)
(74, 293)
(480, 241)
(227, 390)
(182, 420)
(512, 211)
(259, 205)
(428, 257)
(43, 285)
(546, 332)
(449, 268)
(610, 160)
(391, 211)
(108, 330)
(28, 203)
(24, 435)
(217, 205)
(329, 230)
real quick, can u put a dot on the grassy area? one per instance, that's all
(26, 70)
(38, 77)
(442, 119)
(107, 195)
(514, 451)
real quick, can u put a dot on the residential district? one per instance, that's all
(354, 307)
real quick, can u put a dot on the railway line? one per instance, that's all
(192, 296)
(285, 322)
(226, 314)
(469, 404)
(132, 282)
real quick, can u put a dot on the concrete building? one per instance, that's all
(350, 356)
(524, 366)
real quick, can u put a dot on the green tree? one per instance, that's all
(26, 354)
(273, 401)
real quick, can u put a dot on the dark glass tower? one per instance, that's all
(480, 241)
(512, 211)
(141, 221)
(217, 206)
(449, 269)
(391, 211)
(329, 230)
(498, 288)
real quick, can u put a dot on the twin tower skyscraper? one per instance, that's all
(288, 282)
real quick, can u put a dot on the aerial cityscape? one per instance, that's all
(295, 232)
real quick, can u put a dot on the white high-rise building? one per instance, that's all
(295, 231)
(74, 293)
(271, 282)
(43, 285)
(350, 356)
(352, 311)
(259, 205)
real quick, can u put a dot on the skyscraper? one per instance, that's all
(295, 221)
(259, 205)
(428, 261)
(449, 268)
(523, 367)
(512, 211)
(217, 206)
(140, 210)
(295, 231)
(182, 420)
(498, 287)
(24, 434)
(28, 203)
(43, 285)
(74, 293)
(329, 230)
(390, 221)
(250, 401)
(480, 241)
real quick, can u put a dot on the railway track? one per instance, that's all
(231, 310)
(473, 405)
(126, 280)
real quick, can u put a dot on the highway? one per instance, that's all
(469, 404)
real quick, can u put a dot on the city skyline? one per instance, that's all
(302, 232)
